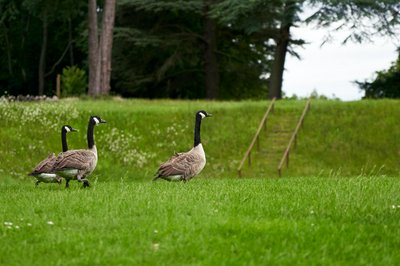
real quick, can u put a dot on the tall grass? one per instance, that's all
(338, 138)
(344, 139)
(139, 134)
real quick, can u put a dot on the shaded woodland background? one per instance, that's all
(214, 49)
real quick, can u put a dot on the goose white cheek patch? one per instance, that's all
(67, 129)
(96, 120)
(202, 115)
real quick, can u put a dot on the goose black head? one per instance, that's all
(203, 114)
(97, 120)
(68, 128)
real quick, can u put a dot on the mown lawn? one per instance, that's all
(289, 221)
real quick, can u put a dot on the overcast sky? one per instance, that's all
(330, 69)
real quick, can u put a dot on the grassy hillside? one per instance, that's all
(338, 138)
(348, 139)
(139, 134)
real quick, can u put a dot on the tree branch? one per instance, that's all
(59, 60)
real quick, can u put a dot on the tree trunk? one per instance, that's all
(8, 50)
(282, 43)
(94, 84)
(71, 43)
(100, 51)
(106, 46)
(42, 59)
(210, 58)
(278, 65)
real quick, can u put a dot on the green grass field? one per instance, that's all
(298, 221)
(337, 204)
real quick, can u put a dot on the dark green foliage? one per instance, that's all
(385, 85)
(159, 49)
(159, 46)
(21, 40)
(357, 16)
(266, 22)
(73, 81)
(259, 16)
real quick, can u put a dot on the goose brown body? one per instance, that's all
(43, 170)
(184, 166)
(78, 164)
(74, 163)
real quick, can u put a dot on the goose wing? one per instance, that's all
(179, 164)
(44, 166)
(74, 159)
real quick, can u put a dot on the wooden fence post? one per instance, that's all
(293, 139)
(262, 124)
(58, 87)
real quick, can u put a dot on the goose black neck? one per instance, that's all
(64, 140)
(90, 137)
(197, 140)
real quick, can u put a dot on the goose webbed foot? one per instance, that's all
(85, 183)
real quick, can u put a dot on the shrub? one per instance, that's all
(73, 81)
(385, 84)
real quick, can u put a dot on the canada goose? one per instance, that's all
(77, 164)
(185, 165)
(42, 171)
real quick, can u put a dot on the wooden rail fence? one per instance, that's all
(293, 139)
(256, 138)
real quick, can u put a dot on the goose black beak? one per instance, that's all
(103, 121)
(209, 115)
(74, 129)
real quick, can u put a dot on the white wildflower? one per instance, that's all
(50, 223)
(156, 246)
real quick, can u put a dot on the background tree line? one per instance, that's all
(227, 49)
